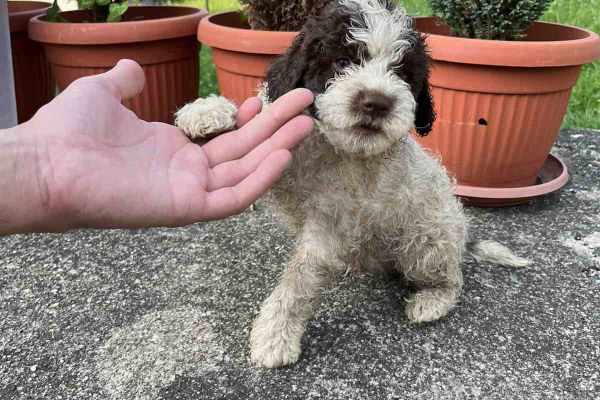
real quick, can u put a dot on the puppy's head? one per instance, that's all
(368, 69)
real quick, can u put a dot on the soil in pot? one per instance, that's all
(500, 104)
(33, 82)
(161, 39)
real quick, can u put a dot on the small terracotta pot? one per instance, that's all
(33, 83)
(500, 104)
(161, 39)
(240, 54)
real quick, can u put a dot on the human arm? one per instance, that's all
(84, 160)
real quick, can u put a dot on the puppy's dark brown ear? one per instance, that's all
(425, 112)
(418, 62)
(285, 72)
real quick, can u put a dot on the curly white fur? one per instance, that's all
(494, 252)
(384, 34)
(336, 119)
(206, 117)
(394, 210)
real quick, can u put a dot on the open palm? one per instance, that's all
(103, 167)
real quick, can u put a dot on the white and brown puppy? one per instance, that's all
(360, 194)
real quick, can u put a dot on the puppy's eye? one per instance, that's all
(341, 63)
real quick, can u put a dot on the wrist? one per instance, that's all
(25, 204)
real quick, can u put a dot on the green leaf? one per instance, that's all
(52, 13)
(102, 2)
(85, 4)
(115, 11)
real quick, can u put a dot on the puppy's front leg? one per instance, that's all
(206, 118)
(275, 337)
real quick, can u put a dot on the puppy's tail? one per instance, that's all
(494, 252)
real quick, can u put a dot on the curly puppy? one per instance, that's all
(361, 194)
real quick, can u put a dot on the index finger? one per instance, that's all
(236, 144)
(248, 110)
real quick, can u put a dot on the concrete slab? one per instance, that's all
(165, 313)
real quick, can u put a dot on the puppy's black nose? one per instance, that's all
(374, 104)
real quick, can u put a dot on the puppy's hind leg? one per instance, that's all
(206, 118)
(434, 271)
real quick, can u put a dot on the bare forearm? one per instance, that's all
(24, 197)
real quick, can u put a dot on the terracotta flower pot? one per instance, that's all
(33, 84)
(161, 39)
(500, 104)
(241, 55)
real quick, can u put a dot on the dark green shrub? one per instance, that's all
(489, 19)
(288, 15)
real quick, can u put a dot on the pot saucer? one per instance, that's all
(553, 176)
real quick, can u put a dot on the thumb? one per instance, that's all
(125, 80)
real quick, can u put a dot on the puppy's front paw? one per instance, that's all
(428, 305)
(272, 348)
(275, 352)
(206, 118)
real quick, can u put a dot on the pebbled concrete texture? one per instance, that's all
(163, 314)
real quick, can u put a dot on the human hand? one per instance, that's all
(98, 165)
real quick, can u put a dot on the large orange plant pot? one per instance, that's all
(500, 104)
(161, 39)
(33, 84)
(241, 55)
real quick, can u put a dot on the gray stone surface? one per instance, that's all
(165, 313)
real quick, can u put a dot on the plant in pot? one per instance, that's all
(501, 83)
(94, 38)
(244, 43)
(33, 84)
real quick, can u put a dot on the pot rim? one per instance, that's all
(525, 192)
(551, 53)
(119, 32)
(18, 20)
(242, 40)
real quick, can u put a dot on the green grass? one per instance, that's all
(208, 74)
(584, 107)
